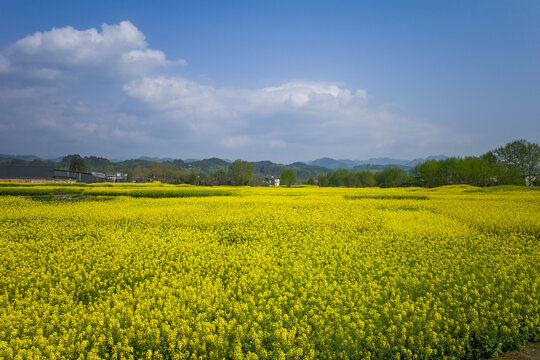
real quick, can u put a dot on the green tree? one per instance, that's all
(288, 177)
(240, 172)
(162, 171)
(427, 173)
(77, 165)
(129, 174)
(489, 157)
(522, 154)
(310, 181)
(193, 178)
(219, 177)
(67, 159)
(391, 177)
(340, 177)
(322, 180)
(141, 174)
(366, 179)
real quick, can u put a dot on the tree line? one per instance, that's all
(390, 177)
(516, 163)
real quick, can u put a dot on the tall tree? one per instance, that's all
(219, 177)
(241, 172)
(522, 154)
(391, 177)
(428, 173)
(288, 177)
(77, 165)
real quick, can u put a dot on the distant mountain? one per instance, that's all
(302, 170)
(351, 164)
(420, 160)
(156, 159)
(372, 167)
(332, 164)
(383, 161)
(22, 157)
(208, 165)
(267, 168)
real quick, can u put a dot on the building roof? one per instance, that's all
(25, 171)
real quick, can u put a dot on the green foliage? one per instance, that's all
(77, 165)
(477, 171)
(220, 178)
(506, 165)
(158, 193)
(288, 177)
(387, 197)
(521, 154)
(511, 164)
(67, 159)
(154, 190)
(342, 177)
(240, 172)
(95, 162)
(209, 165)
(391, 177)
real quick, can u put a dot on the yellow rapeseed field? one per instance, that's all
(270, 273)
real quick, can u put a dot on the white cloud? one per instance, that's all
(153, 113)
(309, 94)
(4, 64)
(118, 50)
(300, 114)
(182, 96)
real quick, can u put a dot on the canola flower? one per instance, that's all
(271, 273)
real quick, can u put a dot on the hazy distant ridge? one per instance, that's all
(218, 163)
(333, 164)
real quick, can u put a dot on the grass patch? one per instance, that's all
(502, 188)
(67, 198)
(151, 191)
(33, 191)
(387, 197)
(41, 184)
(157, 193)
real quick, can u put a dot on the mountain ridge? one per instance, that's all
(333, 164)
(326, 162)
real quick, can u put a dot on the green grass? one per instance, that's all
(132, 190)
(387, 197)
(158, 193)
(32, 191)
(502, 188)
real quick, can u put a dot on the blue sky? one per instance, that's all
(277, 80)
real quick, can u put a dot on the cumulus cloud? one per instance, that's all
(118, 50)
(108, 93)
(293, 115)
(4, 64)
(187, 99)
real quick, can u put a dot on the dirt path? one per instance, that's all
(529, 352)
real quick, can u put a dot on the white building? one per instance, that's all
(273, 181)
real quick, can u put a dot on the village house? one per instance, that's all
(273, 181)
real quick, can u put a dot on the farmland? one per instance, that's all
(182, 272)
